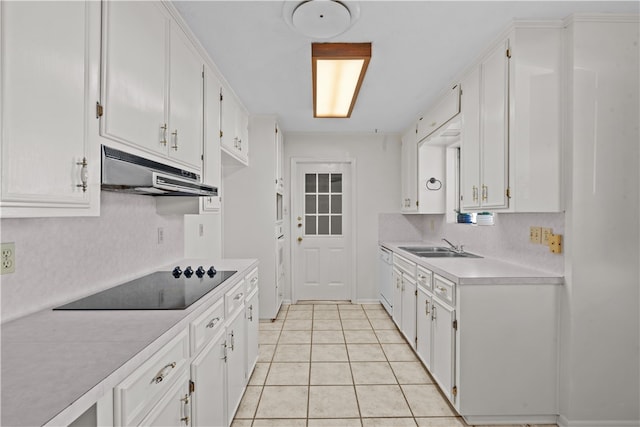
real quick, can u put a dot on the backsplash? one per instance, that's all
(507, 240)
(61, 259)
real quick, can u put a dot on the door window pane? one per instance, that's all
(310, 204)
(310, 183)
(336, 203)
(310, 225)
(323, 204)
(336, 183)
(336, 225)
(323, 183)
(323, 225)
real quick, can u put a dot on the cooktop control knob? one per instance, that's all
(211, 271)
(200, 272)
(176, 272)
(188, 272)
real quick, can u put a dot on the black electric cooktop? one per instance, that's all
(157, 291)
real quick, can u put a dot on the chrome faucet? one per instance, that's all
(454, 247)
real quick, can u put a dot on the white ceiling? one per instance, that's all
(418, 48)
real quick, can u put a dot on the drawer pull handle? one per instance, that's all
(251, 313)
(232, 340)
(426, 307)
(239, 296)
(441, 289)
(213, 322)
(163, 372)
(254, 280)
(433, 313)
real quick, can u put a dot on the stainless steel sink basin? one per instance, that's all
(437, 252)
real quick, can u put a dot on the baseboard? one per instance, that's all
(368, 301)
(564, 422)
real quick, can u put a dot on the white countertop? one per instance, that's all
(467, 271)
(56, 364)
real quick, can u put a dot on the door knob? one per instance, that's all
(299, 239)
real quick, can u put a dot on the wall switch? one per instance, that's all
(535, 235)
(8, 258)
(546, 233)
(555, 243)
(160, 235)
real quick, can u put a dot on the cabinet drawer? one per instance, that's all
(234, 299)
(251, 280)
(134, 397)
(404, 265)
(424, 278)
(444, 290)
(206, 326)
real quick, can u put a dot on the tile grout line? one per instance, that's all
(353, 380)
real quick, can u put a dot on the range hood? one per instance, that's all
(128, 173)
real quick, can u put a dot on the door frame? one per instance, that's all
(350, 163)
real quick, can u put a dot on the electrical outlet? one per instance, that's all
(555, 243)
(160, 235)
(8, 259)
(546, 233)
(535, 235)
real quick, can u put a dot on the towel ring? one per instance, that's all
(433, 180)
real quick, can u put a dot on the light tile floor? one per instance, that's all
(339, 365)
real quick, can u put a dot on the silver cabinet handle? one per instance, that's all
(213, 322)
(84, 174)
(224, 351)
(186, 409)
(485, 192)
(251, 313)
(163, 128)
(163, 372)
(441, 290)
(232, 340)
(475, 193)
(239, 296)
(175, 140)
(426, 307)
(433, 312)
(254, 280)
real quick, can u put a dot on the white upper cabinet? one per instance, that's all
(151, 83)
(279, 160)
(511, 113)
(49, 71)
(234, 128)
(440, 113)
(212, 166)
(409, 171)
(185, 100)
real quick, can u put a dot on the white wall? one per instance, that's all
(61, 259)
(378, 187)
(600, 363)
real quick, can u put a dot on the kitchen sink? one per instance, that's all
(437, 252)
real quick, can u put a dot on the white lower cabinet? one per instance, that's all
(424, 301)
(236, 363)
(443, 352)
(208, 371)
(252, 314)
(174, 408)
(404, 297)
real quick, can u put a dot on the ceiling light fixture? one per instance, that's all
(338, 70)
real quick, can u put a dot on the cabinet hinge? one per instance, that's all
(416, 340)
(454, 390)
(417, 202)
(99, 110)
(508, 192)
(192, 387)
(508, 53)
(221, 133)
(455, 324)
(221, 97)
(416, 292)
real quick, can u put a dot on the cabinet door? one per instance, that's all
(236, 363)
(409, 170)
(212, 167)
(494, 128)
(49, 79)
(208, 372)
(423, 326)
(470, 142)
(134, 75)
(185, 100)
(279, 160)
(252, 315)
(409, 310)
(443, 363)
(242, 132)
(228, 116)
(397, 298)
(174, 408)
